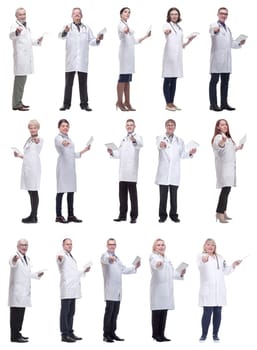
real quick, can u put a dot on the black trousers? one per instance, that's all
(163, 201)
(110, 317)
(169, 89)
(16, 321)
(223, 200)
(69, 78)
(158, 323)
(66, 316)
(126, 187)
(223, 89)
(215, 312)
(70, 200)
(34, 201)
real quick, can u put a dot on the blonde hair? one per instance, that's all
(34, 122)
(210, 240)
(155, 242)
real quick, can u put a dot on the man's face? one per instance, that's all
(170, 128)
(22, 247)
(130, 127)
(67, 245)
(222, 15)
(76, 16)
(21, 16)
(111, 246)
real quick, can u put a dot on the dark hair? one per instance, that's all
(170, 121)
(173, 9)
(217, 130)
(222, 8)
(130, 120)
(123, 9)
(111, 239)
(66, 239)
(63, 121)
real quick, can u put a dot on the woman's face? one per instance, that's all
(33, 129)
(64, 128)
(210, 247)
(160, 247)
(125, 15)
(223, 126)
(174, 16)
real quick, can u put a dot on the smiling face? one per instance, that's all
(64, 128)
(173, 16)
(159, 246)
(223, 126)
(76, 15)
(170, 127)
(210, 247)
(111, 245)
(125, 14)
(222, 14)
(33, 129)
(22, 246)
(21, 15)
(67, 245)
(130, 127)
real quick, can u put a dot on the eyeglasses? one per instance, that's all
(223, 13)
(111, 243)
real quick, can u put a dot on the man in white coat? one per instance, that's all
(220, 64)
(70, 288)
(23, 57)
(112, 273)
(78, 38)
(171, 150)
(20, 289)
(128, 153)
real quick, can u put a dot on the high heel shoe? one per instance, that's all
(129, 107)
(121, 107)
(227, 217)
(221, 218)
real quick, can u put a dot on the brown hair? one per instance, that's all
(217, 130)
(173, 9)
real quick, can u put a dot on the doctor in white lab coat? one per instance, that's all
(220, 62)
(22, 55)
(126, 59)
(78, 37)
(112, 274)
(31, 169)
(161, 289)
(128, 154)
(66, 171)
(20, 289)
(70, 290)
(171, 150)
(224, 149)
(172, 65)
(212, 294)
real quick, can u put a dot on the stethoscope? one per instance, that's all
(172, 26)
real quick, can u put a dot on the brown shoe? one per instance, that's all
(21, 108)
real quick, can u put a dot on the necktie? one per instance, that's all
(25, 259)
(78, 26)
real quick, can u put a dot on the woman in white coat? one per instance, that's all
(224, 149)
(66, 171)
(31, 169)
(161, 289)
(127, 59)
(172, 66)
(212, 294)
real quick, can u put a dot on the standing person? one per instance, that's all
(128, 153)
(23, 57)
(161, 290)
(224, 149)
(70, 290)
(112, 273)
(171, 150)
(20, 289)
(31, 169)
(78, 38)
(172, 66)
(220, 64)
(127, 59)
(66, 171)
(212, 294)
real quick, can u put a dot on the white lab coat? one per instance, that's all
(225, 162)
(20, 282)
(172, 66)
(168, 172)
(22, 49)
(77, 47)
(112, 274)
(212, 284)
(128, 153)
(31, 166)
(161, 288)
(127, 49)
(222, 42)
(70, 286)
(66, 169)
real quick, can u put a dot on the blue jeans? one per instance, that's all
(215, 312)
(169, 89)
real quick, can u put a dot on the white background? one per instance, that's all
(96, 201)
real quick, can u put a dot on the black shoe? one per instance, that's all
(162, 219)
(63, 108)
(175, 219)
(216, 339)
(166, 339)
(215, 108)
(29, 220)
(68, 339)
(108, 339)
(19, 340)
(21, 108)
(73, 336)
(86, 108)
(119, 219)
(133, 221)
(25, 106)
(61, 220)
(159, 339)
(26, 338)
(115, 337)
(227, 107)
(203, 338)
(73, 219)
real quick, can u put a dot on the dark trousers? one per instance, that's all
(223, 89)
(215, 312)
(158, 323)
(110, 317)
(163, 201)
(66, 316)
(34, 201)
(169, 89)
(16, 321)
(69, 78)
(223, 200)
(70, 200)
(126, 187)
